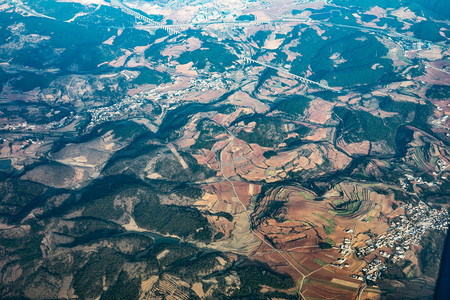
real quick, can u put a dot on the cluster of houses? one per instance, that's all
(404, 231)
(127, 105)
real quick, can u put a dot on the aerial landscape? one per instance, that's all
(201, 149)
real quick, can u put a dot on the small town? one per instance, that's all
(134, 103)
(404, 231)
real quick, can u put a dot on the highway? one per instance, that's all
(29, 11)
(433, 67)
(141, 17)
(284, 71)
(173, 29)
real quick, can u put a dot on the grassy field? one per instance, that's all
(328, 229)
(331, 222)
(319, 262)
(350, 209)
(418, 158)
(330, 241)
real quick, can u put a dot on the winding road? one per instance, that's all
(255, 232)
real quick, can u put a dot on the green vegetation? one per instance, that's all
(326, 95)
(27, 248)
(88, 281)
(331, 222)
(190, 191)
(437, 9)
(405, 110)
(270, 153)
(338, 201)
(325, 245)
(419, 158)
(107, 16)
(4, 77)
(5, 164)
(83, 49)
(347, 208)
(344, 17)
(319, 262)
(217, 55)
(367, 18)
(100, 197)
(320, 16)
(169, 167)
(127, 130)
(309, 44)
(18, 197)
(154, 52)
(438, 92)
(123, 288)
(328, 229)
(254, 276)
(294, 105)
(360, 53)
(430, 256)
(249, 17)
(106, 261)
(427, 31)
(445, 187)
(181, 221)
(394, 205)
(123, 130)
(390, 23)
(202, 263)
(131, 38)
(37, 113)
(268, 132)
(80, 43)
(176, 118)
(100, 201)
(358, 126)
(402, 196)
(412, 273)
(260, 37)
(271, 210)
(29, 81)
(176, 252)
(149, 76)
(133, 160)
(330, 241)
(226, 109)
(208, 132)
(58, 10)
(82, 226)
(265, 75)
